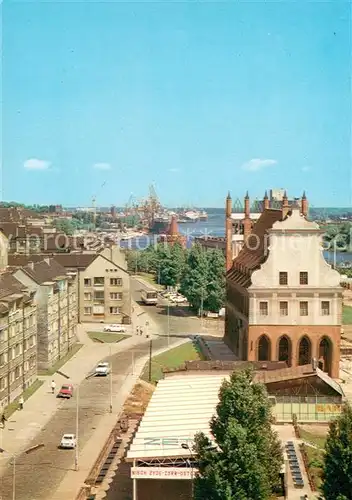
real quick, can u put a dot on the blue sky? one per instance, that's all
(200, 98)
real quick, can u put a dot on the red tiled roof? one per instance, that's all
(254, 251)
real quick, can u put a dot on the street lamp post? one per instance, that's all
(27, 452)
(168, 321)
(77, 421)
(110, 377)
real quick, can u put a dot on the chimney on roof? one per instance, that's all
(173, 229)
(31, 265)
(47, 260)
(228, 205)
(314, 364)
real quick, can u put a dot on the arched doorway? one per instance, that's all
(305, 351)
(264, 348)
(325, 354)
(284, 350)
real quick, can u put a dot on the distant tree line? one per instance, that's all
(199, 275)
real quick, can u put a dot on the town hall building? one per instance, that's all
(284, 302)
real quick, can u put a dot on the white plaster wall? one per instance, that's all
(295, 245)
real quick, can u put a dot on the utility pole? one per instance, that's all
(77, 421)
(150, 359)
(110, 377)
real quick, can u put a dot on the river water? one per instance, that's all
(214, 226)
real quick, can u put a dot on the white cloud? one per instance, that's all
(174, 170)
(36, 164)
(102, 166)
(306, 168)
(257, 164)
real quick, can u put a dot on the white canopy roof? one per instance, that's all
(180, 407)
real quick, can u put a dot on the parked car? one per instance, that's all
(68, 441)
(115, 328)
(102, 369)
(66, 391)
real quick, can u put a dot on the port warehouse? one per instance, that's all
(160, 455)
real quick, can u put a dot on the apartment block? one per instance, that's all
(18, 338)
(56, 298)
(103, 288)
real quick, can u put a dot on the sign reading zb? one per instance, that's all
(167, 442)
(328, 408)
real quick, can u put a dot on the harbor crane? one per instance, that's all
(94, 205)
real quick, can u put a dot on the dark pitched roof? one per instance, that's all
(76, 260)
(20, 260)
(254, 251)
(9, 285)
(46, 270)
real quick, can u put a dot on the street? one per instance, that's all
(40, 473)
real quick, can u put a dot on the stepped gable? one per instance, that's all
(254, 251)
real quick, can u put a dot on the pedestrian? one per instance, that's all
(3, 420)
(137, 330)
(53, 386)
(141, 331)
(21, 402)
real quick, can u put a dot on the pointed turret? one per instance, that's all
(265, 200)
(173, 228)
(304, 205)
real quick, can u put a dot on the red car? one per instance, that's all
(66, 391)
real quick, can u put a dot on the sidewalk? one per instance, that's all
(24, 425)
(74, 480)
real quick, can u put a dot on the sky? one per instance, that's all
(198, 98)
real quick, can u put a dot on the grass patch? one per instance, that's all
(12, 407)
(315, 439)
(347, 315)
(172, 358)
(315, 457)
(107, 337)
(152, 279)
(61, 362)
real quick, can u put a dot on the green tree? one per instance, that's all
(194, 278)
(65, 226)
(337, 472)
(215, 288)
(246, 462)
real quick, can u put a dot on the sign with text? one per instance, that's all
(163, 473)
(326, 408)
(168, 442)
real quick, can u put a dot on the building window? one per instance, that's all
(2, 359)
(303, 278)
(303, 308)
(263, 308)
(325, 308)
(99, 281)
(2, 384)
(17, 372)
(284, 308)
(283, 279)
(114, 310)
(87, 310)
(115, 296)
(115, 281)
(99, 296)
(87, 282)
(87, 296)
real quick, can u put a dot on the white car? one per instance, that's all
(115, 328)
(68, 441)
(102, 369)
